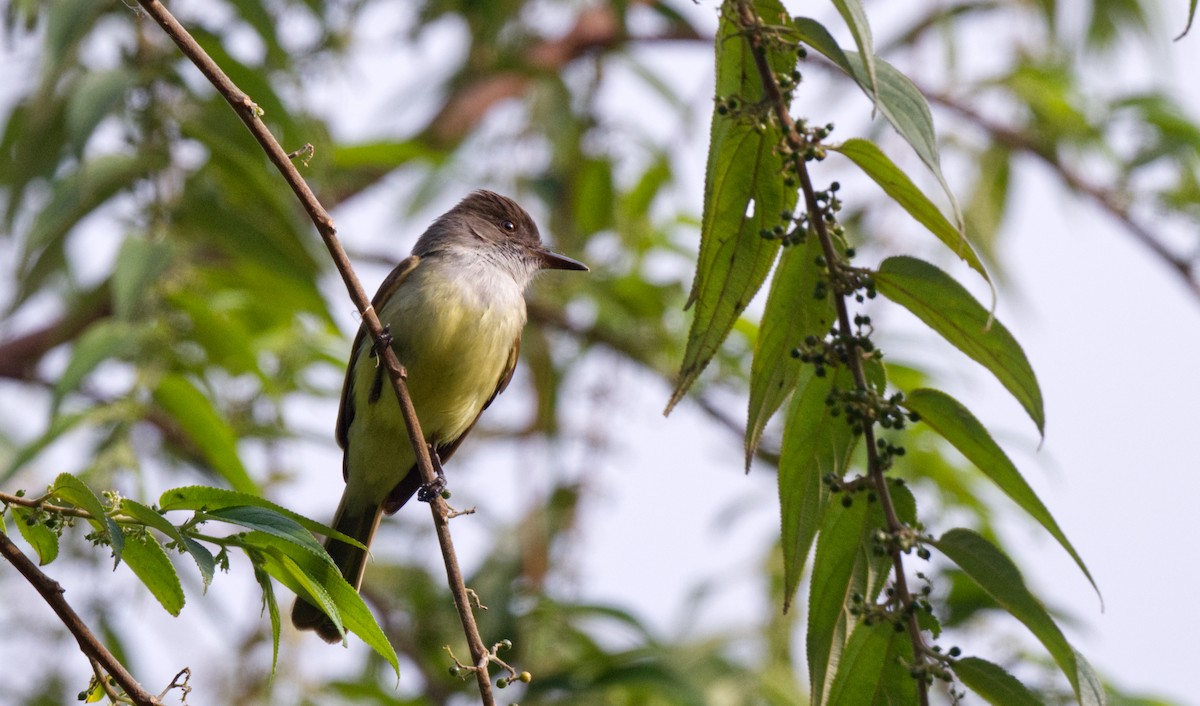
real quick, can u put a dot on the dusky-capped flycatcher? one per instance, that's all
(454, 309)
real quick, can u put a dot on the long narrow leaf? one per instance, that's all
(744, 195)
(206, 428)
(957, 425)
(896, 184)
(999, 577)
(948, 308)
(206, 498)
(872, 670)
(791, 314)
(814, 443)
(995, 685)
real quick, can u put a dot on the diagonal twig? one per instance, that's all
(52, 592)
(251, 115)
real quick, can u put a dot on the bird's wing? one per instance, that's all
(412, 480)
(345, 416)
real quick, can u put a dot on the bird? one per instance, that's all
(454, 310)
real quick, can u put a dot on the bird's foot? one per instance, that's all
(385, 338)
(427, 492)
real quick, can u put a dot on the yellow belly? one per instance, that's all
(453, 336)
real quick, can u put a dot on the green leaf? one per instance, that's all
(872, 669)
(815, 443)
(791, 314)
(308, 576)
(151, 518)
(993, 684)
(139, 264)
(146, 558)
(999, 577)
(903, 191)
(270, 522)
(856, 20)
(94, 96)
(271, 606)
(946, 307)
(743, 195)
(957, 425)
(43, 539)
(73, 197)
(207, 499)
(894, 95)
(1191, 16)
(837, 572)
(75, 492)
(105, 339)
(201, 422)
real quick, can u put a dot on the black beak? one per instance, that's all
(554, 261)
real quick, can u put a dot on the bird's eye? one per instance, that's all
(508, 226)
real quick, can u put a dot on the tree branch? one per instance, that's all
(251, 114)
(753, 26)
(1108, 201)
(95, 651)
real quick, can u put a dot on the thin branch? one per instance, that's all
(251, 115)
(753, 26)
(1107, 200)
(95, 651)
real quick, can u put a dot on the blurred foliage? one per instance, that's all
(164, 306)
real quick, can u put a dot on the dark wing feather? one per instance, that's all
(412, 480)
(345, 416)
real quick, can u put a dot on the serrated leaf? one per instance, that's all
(146, 558)
(872, 669)
(151, 518)
(206, 499)
(139, 264)
(792, 313)
(834, 567)
(814, 443)
(993, 684)
(999, 577)
(76, 492)
(201, 422)
(743, 195)
(43, 539)
(270, 522)
(949, 309)
(105, 339)
(846, 563)
(896, 184)
(958, 426)
(308, 576)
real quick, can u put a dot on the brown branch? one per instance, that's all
(250, 114)
(1108, 201)
(95, 651)
(753, 26)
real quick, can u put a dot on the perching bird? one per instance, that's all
(454, 310)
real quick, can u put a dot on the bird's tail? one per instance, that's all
(360, 523)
